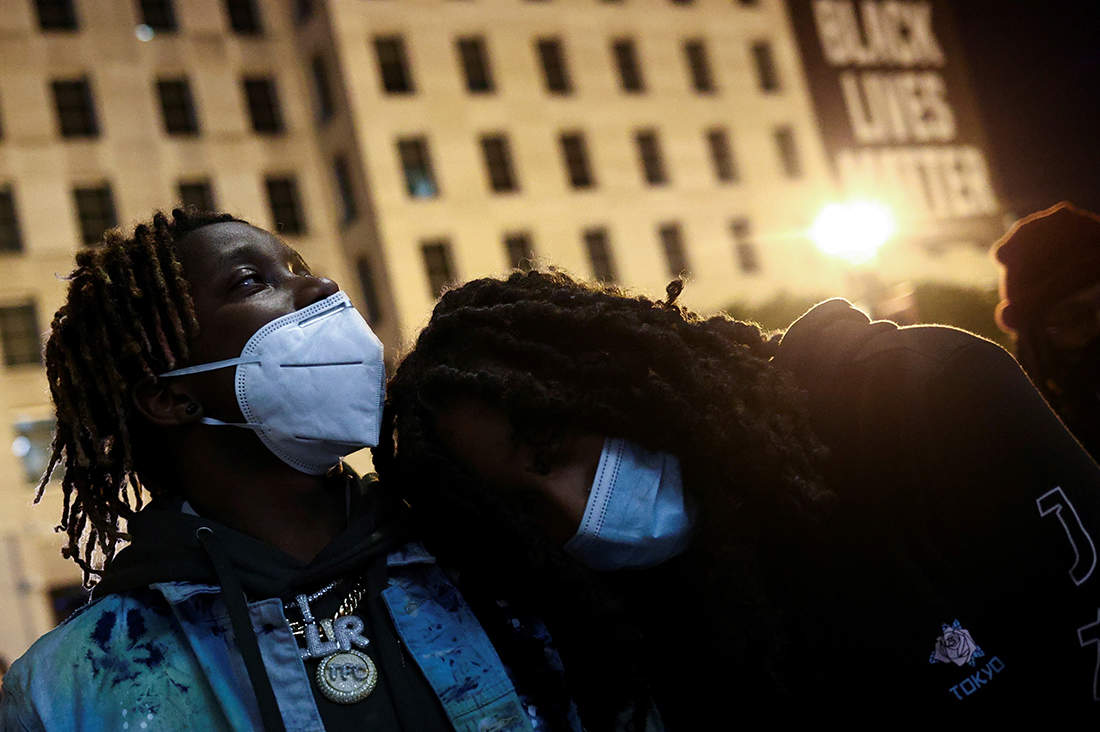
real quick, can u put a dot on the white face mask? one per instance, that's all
(636, 515)
(310, 384)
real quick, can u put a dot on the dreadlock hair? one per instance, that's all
(557, 355)
(128, 315)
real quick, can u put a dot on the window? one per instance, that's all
(303, 11)
(766, 74)
(19, 335)
(322, 91)
(417, 166)
(626, 60)
(575, 153)
(56, 15)
(438, 265)
(158, 15)
(721, 156)
(370, 291)
(177, 109)
(649, 154)
(672, 241)
(349, 209)
(10, 239)
(75, 110)
(243, 16)
(498, 163)
(32, 445)
(744, 247)
(599, 254)
(96, 209)
(474, 58)
(197, 193)
(552, 60)
(520, 251)
(263, 105)
(698, 66)
(788, 152)
(392, 65)
(286, 207)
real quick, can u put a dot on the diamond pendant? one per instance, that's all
(347, 677)
(344, 675)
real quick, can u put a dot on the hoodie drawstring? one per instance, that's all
(234, 598)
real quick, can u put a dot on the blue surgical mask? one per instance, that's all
(637, 515)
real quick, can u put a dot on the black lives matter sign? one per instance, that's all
(891, 94)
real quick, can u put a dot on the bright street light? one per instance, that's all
(853, 231)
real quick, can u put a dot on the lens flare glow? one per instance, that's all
(853, 231)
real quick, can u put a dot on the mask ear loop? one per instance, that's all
(212, 366)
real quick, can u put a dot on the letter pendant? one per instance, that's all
(315, 647)
(344, 675)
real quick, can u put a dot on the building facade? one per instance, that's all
(400, 145)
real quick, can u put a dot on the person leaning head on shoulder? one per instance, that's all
(721, 520)
(531, 402)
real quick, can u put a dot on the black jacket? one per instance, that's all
(963, 505)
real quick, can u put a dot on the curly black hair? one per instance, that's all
(557, 355)
(128, 315)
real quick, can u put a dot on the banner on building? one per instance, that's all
(890, 89)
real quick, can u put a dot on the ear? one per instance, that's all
(166, 402)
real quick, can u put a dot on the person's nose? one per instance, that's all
(313, 289)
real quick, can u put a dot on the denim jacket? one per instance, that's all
(164, 658)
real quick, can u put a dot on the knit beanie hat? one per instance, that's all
(1045, 257)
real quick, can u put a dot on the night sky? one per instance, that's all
(1035, 69)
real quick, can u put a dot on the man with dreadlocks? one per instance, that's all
(199, 362)
(856, 518)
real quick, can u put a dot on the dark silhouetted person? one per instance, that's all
(1050, 286)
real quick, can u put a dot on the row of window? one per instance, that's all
(76, 109)
(473, 59)
(96, 209)
(421, 182)
(520, 253)
(157, 15)
(96, 212)
(160, 15)
(77, 117)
